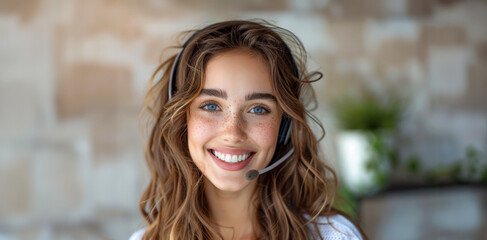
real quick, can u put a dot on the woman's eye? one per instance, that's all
(259, 110)
(211, 107)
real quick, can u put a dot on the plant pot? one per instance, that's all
(363, 169)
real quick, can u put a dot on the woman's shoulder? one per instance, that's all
(138, 235)
(337, 227)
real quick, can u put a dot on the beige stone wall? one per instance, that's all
(73, 75)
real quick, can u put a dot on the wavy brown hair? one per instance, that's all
(288, 199)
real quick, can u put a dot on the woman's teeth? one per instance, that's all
(229, 157)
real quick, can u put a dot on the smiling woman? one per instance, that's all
(230, 152)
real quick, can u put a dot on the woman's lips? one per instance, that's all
(231, 166)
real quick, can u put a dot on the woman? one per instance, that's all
(230, 152)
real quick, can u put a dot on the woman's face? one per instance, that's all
(233, 124)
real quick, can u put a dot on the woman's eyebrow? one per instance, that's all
(222, 94)
(214, 92)
(254, 96)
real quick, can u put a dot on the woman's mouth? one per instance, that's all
(231, 160)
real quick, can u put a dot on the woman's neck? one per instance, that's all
(232, 211)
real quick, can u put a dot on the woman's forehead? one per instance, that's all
(238, 69)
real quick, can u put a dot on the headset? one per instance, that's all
(284, 129)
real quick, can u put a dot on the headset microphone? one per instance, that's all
(252, 174)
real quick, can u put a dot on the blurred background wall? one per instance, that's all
(73, 75)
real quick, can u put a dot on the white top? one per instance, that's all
(346, 229)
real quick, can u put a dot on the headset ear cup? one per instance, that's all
(284, 131)
(288, 131)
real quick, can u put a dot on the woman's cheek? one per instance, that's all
(200, 126)
(267, 131)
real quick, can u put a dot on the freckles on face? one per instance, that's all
(198, 123)
(199, 131)
(265, 130)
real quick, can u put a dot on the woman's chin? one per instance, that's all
(230, 184)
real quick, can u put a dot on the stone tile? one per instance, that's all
(61, 168)
(474, 97)
(15, 185)
(20, 110)
(116, 185)
(87, 87)
(432, 147)
(81, 230)
(158, 49)
(448, 69)
(437, 35)
(443, 35)
(338, 82)
(354, 9)
(395, 8)
(448, 3)
(131, 57)
(420, 8)
(441, 137)
(103, 48)
(113, 134)
(28, 233)
(252, 5)
(481, 51)
(119, 224)
(467, 128)
(307, 5)
(312, 29)
(62, 230)
(407, 79)
(26, 10)
(24, 46)
(56, 173)
(25, 76)
(396, 52)
(349, 38)
(477, 85)
(100, 17)
(376, 32)
(469, 15)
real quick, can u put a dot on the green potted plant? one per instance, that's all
(367, 124)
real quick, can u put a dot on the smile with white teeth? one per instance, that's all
(229, 158)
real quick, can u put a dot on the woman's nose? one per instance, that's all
(234, 129)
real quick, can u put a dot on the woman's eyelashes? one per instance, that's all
(210, 107)
(213, 107)
(260, 110)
